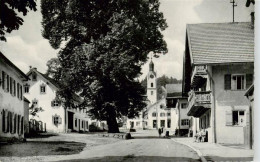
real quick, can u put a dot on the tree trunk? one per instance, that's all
(111, 121)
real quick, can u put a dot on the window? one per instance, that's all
(7, 83)
(18, 90)
(3, 80)
(154, 123)
(35, 102)
(169, 123)
(76, 122)
(185, 122)
(34, 76)
(162, 123)
(86, 124)
(42, 88)
(82, 125)
(238, 82)
(55, 103)
(11, 85)
(151, 84)
(14, 86)
(26, 88)
(56, 120)
(151, 92)
(137, 123)
(168, 114)
(184, 105)
(21, 92)
(162, 114)
(238, 118)
(154, 114)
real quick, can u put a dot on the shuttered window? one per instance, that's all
(18, 90)
(229, 119)
(3, 120)
(3, 80)
(227, 82)
(249, 80)
(7, 83)
(14, 83)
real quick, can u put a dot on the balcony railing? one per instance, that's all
(199, 70)
(198, 100)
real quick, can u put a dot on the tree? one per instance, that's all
(34, 110)
(105, 45)
(9, 20)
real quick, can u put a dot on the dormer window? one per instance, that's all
(34, 76)
(43, 88)
(26, 88)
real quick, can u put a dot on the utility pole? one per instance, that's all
(234, 5)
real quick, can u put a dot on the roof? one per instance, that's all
(25, 99)
(174, 90)
(250, 91)
(6, 60)
(221, 43)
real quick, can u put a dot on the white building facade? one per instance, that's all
(11, 99)
(41, 90)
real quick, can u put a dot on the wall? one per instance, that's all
(80, 115)
(9, 102)
(44, 101)
(228, 100)
(26, 117)
(156, 108)
(183, 112)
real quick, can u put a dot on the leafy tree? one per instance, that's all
(9, 20)
(34, 110)
(105, 43)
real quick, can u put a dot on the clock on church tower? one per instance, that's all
(151, 84)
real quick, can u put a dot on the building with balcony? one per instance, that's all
(178, 104)
(12, 106)
(41, 91)
(218, 67)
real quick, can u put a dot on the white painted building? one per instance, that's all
(11, 99)
(41, 91)
(218, 67)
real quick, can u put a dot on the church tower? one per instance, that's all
(151, 84)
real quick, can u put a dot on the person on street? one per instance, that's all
(160, 132)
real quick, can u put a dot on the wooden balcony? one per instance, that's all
(198, 75)
(199, 103)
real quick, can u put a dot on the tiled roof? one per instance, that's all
(221, 42)
(174, 90)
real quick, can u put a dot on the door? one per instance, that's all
(154, 123)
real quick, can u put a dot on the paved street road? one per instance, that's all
(146, 146)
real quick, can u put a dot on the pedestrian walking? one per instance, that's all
(160, 132)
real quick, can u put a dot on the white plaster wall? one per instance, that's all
(227, 100)
(8, 101)
(44, 101)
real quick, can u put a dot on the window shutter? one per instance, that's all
(14, 88)
(227, 82)
(52, 103)
(22, 125)
(229, 119)
(247, 118)
(3, 120)
(249, 80)
(3, 80)
(53, 119)
(15, 116)
(7, 81)
(6, 121)
(59, 120)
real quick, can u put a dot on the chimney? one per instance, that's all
(252, 19)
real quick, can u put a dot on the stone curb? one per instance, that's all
(202, 158)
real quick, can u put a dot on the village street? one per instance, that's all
(145, 146)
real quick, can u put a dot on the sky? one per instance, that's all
(26, 46)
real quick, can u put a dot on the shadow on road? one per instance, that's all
(132, 158)
(217, 158)
(149, 137)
